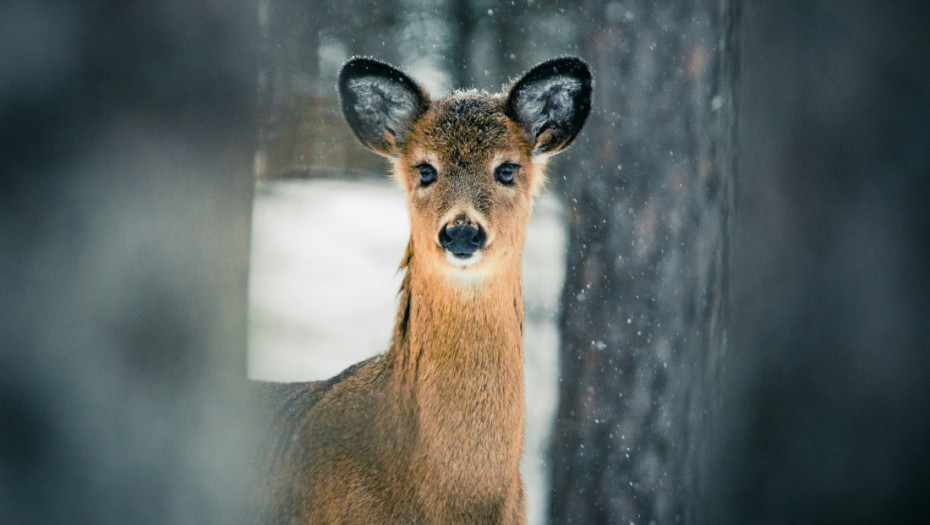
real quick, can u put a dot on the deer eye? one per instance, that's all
(505, 172)
(427, 173)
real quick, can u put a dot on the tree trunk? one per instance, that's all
(288, 81)
(826, 416)
(644, 305)
(125, 142)
(463, 24)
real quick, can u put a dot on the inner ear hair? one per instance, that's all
(552, 102)
(380, 103)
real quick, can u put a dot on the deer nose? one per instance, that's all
(462, 241)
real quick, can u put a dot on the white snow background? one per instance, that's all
(323, 286)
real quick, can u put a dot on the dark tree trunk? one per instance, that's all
(826, 416)
(463, 24)
(645, 298)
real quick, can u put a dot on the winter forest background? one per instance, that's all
(742, 329)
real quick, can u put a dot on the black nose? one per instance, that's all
(462, 241)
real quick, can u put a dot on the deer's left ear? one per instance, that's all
(552, 103)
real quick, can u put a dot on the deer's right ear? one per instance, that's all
(380, 103)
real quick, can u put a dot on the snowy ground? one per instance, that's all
(323, 285)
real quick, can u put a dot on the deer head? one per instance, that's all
(470, 163)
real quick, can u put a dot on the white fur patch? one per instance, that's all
(466, 278)
(541, 159)
(462, 263)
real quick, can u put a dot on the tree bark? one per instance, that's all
(645, 304)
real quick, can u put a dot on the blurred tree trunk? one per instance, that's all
(288, 72)
(645, 305)
(464, 23)
(369, 27)
(507, 42)
(826, 416)
(125, 148)
(290, 46)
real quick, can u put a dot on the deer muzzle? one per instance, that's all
(462, 241)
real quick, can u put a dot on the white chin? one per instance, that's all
(463, 263)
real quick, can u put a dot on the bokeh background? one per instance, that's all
(128, 141)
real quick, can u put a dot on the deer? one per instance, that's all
(432, 430)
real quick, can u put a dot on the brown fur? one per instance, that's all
(432, 430)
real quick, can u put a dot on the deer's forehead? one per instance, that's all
(465, 130)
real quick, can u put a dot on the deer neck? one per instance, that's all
(459, 343)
